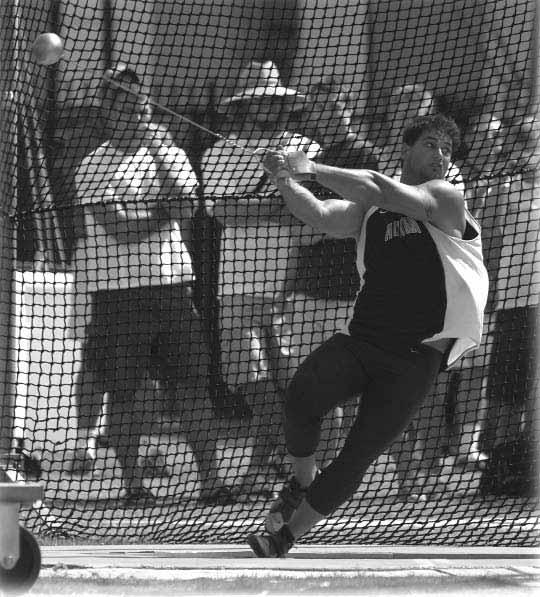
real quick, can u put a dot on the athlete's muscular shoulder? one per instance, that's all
(344, 218)
(447, 206)
(439, 186)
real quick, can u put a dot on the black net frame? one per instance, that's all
(385, 61)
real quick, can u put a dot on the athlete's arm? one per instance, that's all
(335, 217)
(436, 201)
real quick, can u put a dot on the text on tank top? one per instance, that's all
(402, 300)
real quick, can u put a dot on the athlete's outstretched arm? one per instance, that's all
(335, 217)
(436, 201)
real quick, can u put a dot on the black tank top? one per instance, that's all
(403, 297)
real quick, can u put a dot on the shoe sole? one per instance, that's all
(256, 548)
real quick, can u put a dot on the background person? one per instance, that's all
(512, 409)
(327, 118)
(485, 191)
(133, 279)
(420, 308)
(511, 431)
(329, 265)
(417, 454)
(446, 431)
(259, 256)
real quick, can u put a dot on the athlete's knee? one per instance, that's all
(302, 416)
(301, 397)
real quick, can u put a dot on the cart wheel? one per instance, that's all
(24, 574)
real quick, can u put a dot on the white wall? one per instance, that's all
(45, 357)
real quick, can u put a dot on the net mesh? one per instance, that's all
(150, 329)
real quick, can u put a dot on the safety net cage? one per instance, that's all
(157, 296)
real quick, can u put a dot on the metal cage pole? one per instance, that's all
(8, 164)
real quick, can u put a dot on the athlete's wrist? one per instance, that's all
(283, 178)
(301, 167)
(312, 175)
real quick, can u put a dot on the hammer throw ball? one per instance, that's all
(47, 49)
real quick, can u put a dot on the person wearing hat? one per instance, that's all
(258, 257)
(329, 118)
(133, 279)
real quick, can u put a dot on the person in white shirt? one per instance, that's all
(258, 259)
(133, 281)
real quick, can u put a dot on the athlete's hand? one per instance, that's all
(274, 163)
(280, 164)
(300, 166)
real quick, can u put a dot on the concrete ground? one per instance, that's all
(231, 569)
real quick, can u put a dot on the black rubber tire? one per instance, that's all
(24, 574)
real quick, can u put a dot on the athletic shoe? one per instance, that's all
(282, 509)
(272, 545)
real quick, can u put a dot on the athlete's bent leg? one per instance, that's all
(329, 376)
(397, 387)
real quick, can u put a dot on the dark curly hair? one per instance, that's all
(433, 122)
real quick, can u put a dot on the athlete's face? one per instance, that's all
(429, 157)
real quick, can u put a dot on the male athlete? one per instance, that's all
(420, 307)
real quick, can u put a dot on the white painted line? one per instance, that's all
(130, 574)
